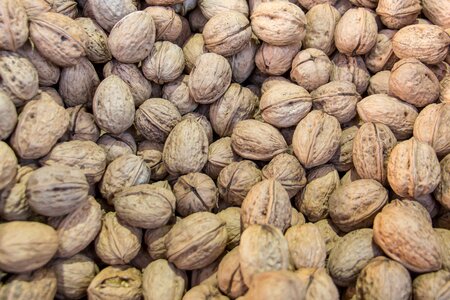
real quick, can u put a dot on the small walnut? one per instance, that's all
(153, 159)
(82, 126)
(117, 145)
(382, 56)
(201, 118)
(192, 49)
(276, 60)
(8, 116)
(164, 64)
(168, 24)
(397, 14)
(97, 49)
(116, 282)
(229, 275)
(177, 92)
(220, 155)
(442, 191)
(161, 280)
(329, 232)
(13, 201)
(154, 239)
(437, 12)
(108, 12)
(311, 68)
(232, 218)
(379, 83)
(210, 8)
(352, 69)
(343, 158)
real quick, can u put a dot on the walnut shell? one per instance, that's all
(431, 285)
(279, 23)
(210, 8)
(279, 284)
(220, 155)
(442, 191)
(232, 218)
(342, 159)
(193, 49)
(35, 7)
(379, 83)
(197, 20)
(117, 145)
(229, 275)
(403, 230)
(438, 12)
(263, 248)
(161, 280)
(14, 28)
(113, 105)
(41, 123)
(444, 240)
(8, 165)
(8, 116)
(196, 241)
(319, 284)
(200, 118)
(154, 239)
(352, 69)
(354, 205)
(177, 92)
(97, 49)
(397, 14)
(168, 24)
(397, 115)
(243, 63)
(427, 43)
(275, 60)
(381, 56)
(316, 138)
(311, 68)
(413, 169)
(164, 64)
(329, 232)
(108, 12)
(26, 246)
(13, 201)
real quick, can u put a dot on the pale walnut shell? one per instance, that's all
(154, 239)
(413, 82)
(287, 170)
(279, 23)
(113, 105)
(19, 77)
(193, 49)
(195, 192)
(343, 158)
(140, 87)
(97, 49)
(383, 278)
(279, 284)
(229, 275)
(379, 83)
(153, 159)
(267, 203)
(186, 148)
(263, 248)
(26, 246)
(372, 146)
(319, 284)
(275, 60)
(205, 291)
(445, 89)
(438, 12)
(116, 282)
(365, 3)
(444, 240)
(397, 115)
(8, 116)
(351, 254)
(117, 145)
(306, 246)
(381, 56)
(352, 69)
(145, 206)
(398, 14)
(308, 4)
(206, 275)
(177, 92)
(117, 242)
(316, 138)
(356, 32)
(8, 165)
(236, 179)
(227, 33)
(161, 280)
(427, 43)
(65, 7)
(41, 123)
(354, 205)
(431, 285)
(232, 218)
(256, 140)
(35, 7)
(164, 64)
(13, 201)
(413, 169)
(14, 27)
(442, 191)
(48, 73)
(78, 229)
(77, 84)
(330, 233)
(338, 99)
(108, 12)
(210, 8)
(58, 38)
(321, 23)
(210, 78)
(125, 171)
(132, 38)
(168, 24)
(237, 104)
(156, 118)
(311, 68)
(201, 118)
(164, 2)
(429, 127)
(243, 63)
(407, 225)
(196, 241)
(312, 201)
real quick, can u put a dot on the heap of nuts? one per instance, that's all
(225, 149)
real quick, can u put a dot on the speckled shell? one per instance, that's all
(161, 280)
(108, 12)
(131, 39)
(351, 69)
(413, 169)
(381, 56)
(442, 192)
(58, 38)
(397, 115)
(279, 23)
(210, 8)
(97, 50)
(164, 64)
(41, 123)
(14, 26)
(397, 14)
(403, 230)
(427, 43)
(438, 12)
(168, 24)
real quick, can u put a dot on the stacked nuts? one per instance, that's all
(211, 149)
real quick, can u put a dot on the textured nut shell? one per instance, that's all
(192, 49)
(397, 115)
(154, 239)
(275, 60)
(35, 7)
(442, 192)
(8, 165)
(58, 38)
(316, 139)
(232, 218)
(8, 116)
(186, 148)
(41, 123)
(229, 275)
(330, 233)
(256, 140)
(379, 83)
(427, 43)
(108, 12)
(381, 56)
(164, 64)
(430, 285)
(356, 32)
(196, 241)
(438, 12)
(210, 8)
(383, 278)
(117, 145)
(267, 203)
(79, 228)
(352, 69)
(163, 281)
(311, 68)
(342, 159)
(351, 255)
(14, 27)
(413, 169)
(263, 248)
(177, 92)
(354, 205)
(113, 105)
(276, 285)
(279, 23)
(237, 104)
(13, 202)
(26, 246)
(403, 230)
(397, 14)
(210, 78)
(444, 240)
(319, 284)
(200, 118)
(97, 49)
(168, 24)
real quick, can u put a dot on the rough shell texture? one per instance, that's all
(438, 12)
(177, 92)
(275, 60)
(14, 28)
(8, 165)
(220, 155)
(403, 230)
(442, 192)
(311, 68)
(318, 283)
(343, 159)
(381, 56)
(168, 24)
(397, 14)
(117, 145)
(8, 116)
(276, 285)
(97, 50)
(154, 239)
(108, 12)
(379, 83)
(229, 275)
(232, 218)
(209, 8)
(161, 280)
(352, 69)
(431, 285)
(192, 49)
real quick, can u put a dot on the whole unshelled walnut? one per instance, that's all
(352, 69)
(168, 23)
(397, 14)
(8, 165)
(108, 12)
(14, 29)
(8, 116)
(164, 64)
(381, 56)
(210, 8)
(442, 192)
(311, 68)
(275, 60)
(161, 280)
(97, 49)
(82, 126)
